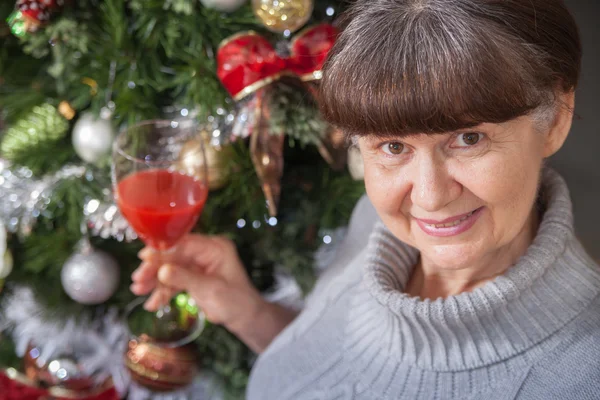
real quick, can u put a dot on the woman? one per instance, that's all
(460, 277)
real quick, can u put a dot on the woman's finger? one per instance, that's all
(185, 251)
(145, 272)
(202, 287)
(194, 250)
(160, 297)
(188, 250)
(143, 288)
(200, 252)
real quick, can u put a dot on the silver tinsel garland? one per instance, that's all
(106, 221)
(91, 341)
(23, 198)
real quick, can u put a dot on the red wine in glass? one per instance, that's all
(161, 205)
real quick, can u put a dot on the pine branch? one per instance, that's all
(17, 102)
(216, 26)
(45, 254)
(227, 357)
(195, 82)
(345, 191)
(22, 80)
(242, 193)
(6, 7)
(8, 356)
(114, 23)
(294, 113)
(46, 158)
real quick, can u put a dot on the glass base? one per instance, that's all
(174, 325)
(160, 355)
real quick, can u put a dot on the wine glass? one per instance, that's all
(161, 194)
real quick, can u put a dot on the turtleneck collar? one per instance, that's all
(548, 287)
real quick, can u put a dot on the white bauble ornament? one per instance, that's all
(6, 261)
(223, 5)
(355, 164)
(2, 238)
(90, 276)
(92, 138)
(7, 264)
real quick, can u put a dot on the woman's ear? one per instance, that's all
(560, 127)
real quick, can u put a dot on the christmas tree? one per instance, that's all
(75, 73)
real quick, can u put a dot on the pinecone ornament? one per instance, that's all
(43, 125)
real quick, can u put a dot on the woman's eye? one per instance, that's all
(393, 148)
(468, 139)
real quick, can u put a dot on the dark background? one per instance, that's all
(579, 159)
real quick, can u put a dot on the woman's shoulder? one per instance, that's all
(572, 369)
(579, 340)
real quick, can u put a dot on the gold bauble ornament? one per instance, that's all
(66, 110)
(281, 15)
(192, 162)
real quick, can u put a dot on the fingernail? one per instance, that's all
(136, 274)
(147, 306)
(163, 272)
(145, 253)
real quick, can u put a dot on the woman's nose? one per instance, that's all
(433, 187)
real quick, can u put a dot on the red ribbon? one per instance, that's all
(247, 61)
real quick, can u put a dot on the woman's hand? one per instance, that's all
(210, 270)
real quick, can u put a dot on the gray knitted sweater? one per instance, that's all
(532, 334)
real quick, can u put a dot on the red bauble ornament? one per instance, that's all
(34, 10)
(15, 386)
(36, 13)
(160, 368)
(49, 5)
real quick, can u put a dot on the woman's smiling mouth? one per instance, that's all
(449, 226)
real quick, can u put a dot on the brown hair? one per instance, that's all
(432, 66)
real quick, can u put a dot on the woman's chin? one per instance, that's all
(453, 257)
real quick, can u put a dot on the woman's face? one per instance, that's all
(457, 197)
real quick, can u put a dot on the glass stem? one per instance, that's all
(164, 257)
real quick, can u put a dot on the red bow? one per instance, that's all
(247, 61)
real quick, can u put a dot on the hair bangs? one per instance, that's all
(431, 75)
